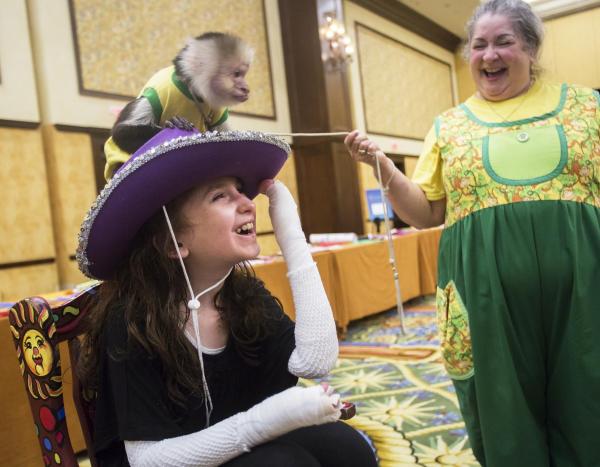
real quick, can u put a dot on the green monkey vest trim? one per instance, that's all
(182, 86)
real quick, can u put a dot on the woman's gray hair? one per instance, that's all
(525, 23)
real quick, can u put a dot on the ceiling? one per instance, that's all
(453, 14)
(450, 14)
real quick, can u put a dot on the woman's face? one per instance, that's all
(221, 225)
(499, 61)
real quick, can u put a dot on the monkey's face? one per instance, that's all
(230, 85)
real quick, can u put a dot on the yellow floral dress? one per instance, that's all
(519, 272)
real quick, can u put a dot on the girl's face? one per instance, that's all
(221, 225)
(498, 58)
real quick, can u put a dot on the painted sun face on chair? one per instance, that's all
(32, 326)
(37, 352)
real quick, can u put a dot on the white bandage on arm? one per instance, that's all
(279, 414)
(316, 337)
(210, 447)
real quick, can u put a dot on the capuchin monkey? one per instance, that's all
(207, 76)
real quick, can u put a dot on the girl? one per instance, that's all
(193, 361)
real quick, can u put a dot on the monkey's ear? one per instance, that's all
(246, 53)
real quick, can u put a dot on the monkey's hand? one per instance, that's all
(181, 123)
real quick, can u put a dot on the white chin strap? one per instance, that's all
(194, 306)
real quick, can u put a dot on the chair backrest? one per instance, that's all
(37, 329)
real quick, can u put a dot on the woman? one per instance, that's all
(514, 173)
(193, 361)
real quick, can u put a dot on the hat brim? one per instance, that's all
(171, 163)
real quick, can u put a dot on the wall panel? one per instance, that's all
(464, 80)
(20, 282)
(25, 227)
(72, 188)
(572, 47)
(403, 88)
(18, 97)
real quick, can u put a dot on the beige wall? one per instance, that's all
(72, 190)
(18, 97)
(47, 184)
(26, 221)
(571, 51)
(464, 80)
(415, 107)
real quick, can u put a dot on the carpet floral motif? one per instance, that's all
(405, 401)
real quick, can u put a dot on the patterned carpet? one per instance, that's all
(406, 404)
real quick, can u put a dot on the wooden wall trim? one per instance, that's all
(82, 129)
(580, 9)
(301, 62)
(407, 18)
(19, 124)
(23, 264)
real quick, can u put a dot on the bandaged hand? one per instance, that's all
(283, 412)
(286, 225)
(288, 410)
(316, 348)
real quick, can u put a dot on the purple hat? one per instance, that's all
(171, 163)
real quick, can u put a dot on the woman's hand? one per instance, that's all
(408, 199)
(362, 149)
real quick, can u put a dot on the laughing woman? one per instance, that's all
(193, 361)
(514, 173)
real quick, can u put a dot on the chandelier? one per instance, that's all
(336, 45)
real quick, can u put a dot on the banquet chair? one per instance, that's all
(37, 329)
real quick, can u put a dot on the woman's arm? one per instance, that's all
(286, 411)
(407, 198)
(315, 334)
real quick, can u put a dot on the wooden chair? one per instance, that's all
(37, 329)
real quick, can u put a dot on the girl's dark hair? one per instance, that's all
(525, 22)
(149, 292)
